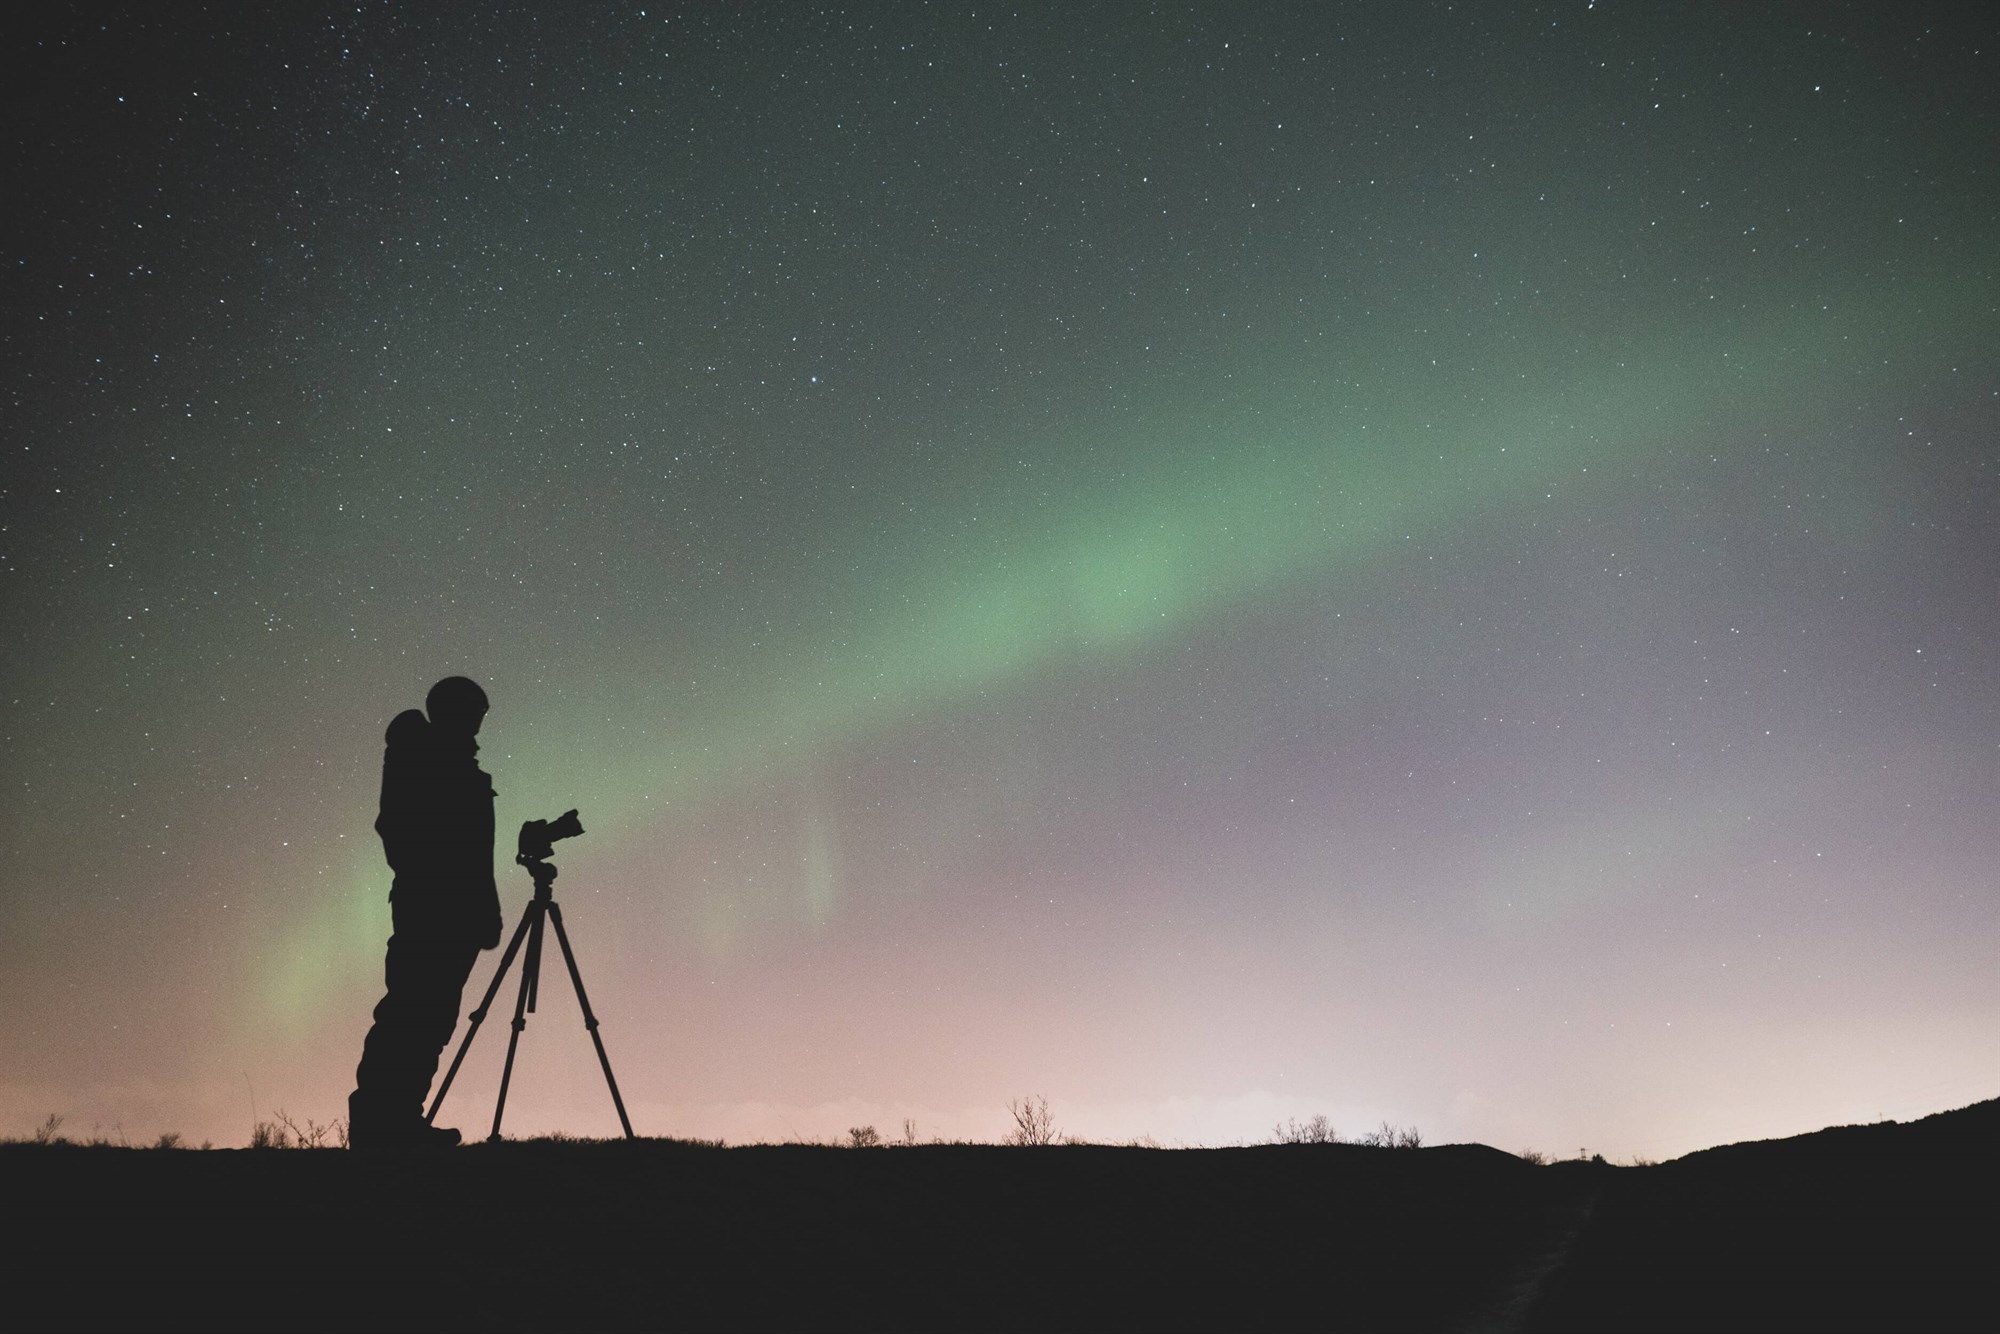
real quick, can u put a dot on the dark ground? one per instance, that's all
(1877, 1227)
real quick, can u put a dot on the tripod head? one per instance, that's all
(544, 874)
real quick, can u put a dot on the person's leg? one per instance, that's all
(444, 966)
(414, 1020)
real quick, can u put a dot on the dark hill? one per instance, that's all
(1870, 1227)
(1877, 1227)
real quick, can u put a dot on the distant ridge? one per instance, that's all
(1967, 1123)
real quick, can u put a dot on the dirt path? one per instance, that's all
(1508, 1313)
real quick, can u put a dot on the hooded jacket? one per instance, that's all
(436, 824)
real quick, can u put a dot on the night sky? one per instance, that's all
(1211, 562)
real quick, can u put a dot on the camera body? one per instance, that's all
(538, 837)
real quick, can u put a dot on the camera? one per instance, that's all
(538, 837)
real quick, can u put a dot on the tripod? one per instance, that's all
(543, 907)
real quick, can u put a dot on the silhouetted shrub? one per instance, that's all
(1388, 1136)
(283, 1131)
(863, 1137)
(48, 1132)
(169, 1139)
(1319, 1130)
(1533, 1156)
(1034, 1124)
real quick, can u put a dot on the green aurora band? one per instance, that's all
(1217, 506)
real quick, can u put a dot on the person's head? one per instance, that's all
(456, 706)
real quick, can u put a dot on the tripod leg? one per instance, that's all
(589, 1019)
(534, 965)
(478, 1016)
(529, 967)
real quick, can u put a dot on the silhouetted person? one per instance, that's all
(436, 825)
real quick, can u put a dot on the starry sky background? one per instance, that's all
(1212, 562)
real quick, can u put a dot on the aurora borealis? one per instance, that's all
(1210, 562)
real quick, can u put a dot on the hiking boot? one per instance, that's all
(438, 1137)
(401, 1135)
